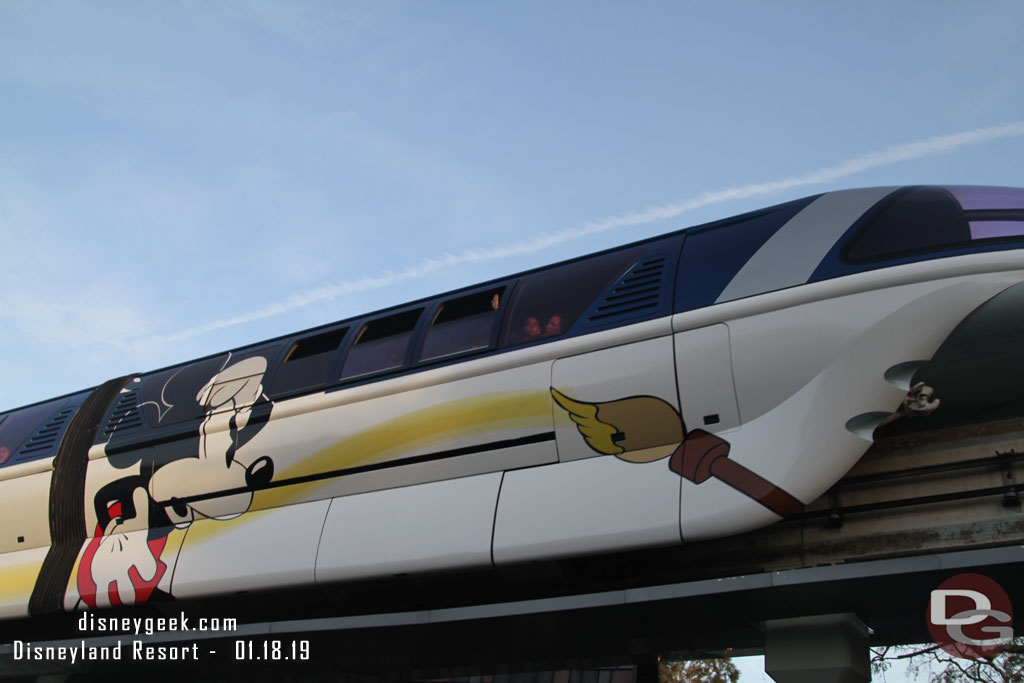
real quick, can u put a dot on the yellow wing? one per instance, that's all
(596, 433)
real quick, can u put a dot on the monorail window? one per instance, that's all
(928, 219)
(463, 324)
(992, 212)
(546, 304)
(307, 363)
(981, 198)
(381, 344)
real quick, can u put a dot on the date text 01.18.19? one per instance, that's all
(271, 650)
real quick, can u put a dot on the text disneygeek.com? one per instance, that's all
(72, 652)
(150, 625)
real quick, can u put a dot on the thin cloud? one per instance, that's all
(885, 157)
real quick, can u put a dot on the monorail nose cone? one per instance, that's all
(259, 473)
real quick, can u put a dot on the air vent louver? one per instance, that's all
(44, 442)
(637, 293)
(125, 415)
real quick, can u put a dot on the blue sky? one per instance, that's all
(180, 178)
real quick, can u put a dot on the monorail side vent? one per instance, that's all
(639, 292)
(125, 414)
(44, 442)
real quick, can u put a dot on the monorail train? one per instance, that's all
(686, 387)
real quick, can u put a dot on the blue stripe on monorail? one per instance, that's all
(713, 254)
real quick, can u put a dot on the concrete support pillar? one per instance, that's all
(831, 648)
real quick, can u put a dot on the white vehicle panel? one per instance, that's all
(705, 379)
(410, 529)
(475, 412)
(29, 496)
(585, 506)
(776, 354)
(714, 509)
(528, 455)
(800, 441)
(264, 549)
(26, 468)
(18, 571)
(639, 369)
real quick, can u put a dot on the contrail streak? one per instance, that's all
(884, 157)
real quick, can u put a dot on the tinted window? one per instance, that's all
(978, 197)
(926, 219)
(307, 363)
(547, 304)
(381, 344)
(463, 324)
(981, 230)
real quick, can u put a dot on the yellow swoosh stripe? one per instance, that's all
(395, 438)
(17, 581)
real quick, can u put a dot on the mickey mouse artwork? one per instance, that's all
(209, 475)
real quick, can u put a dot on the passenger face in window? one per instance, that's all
(531, 328)
(556, 298)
